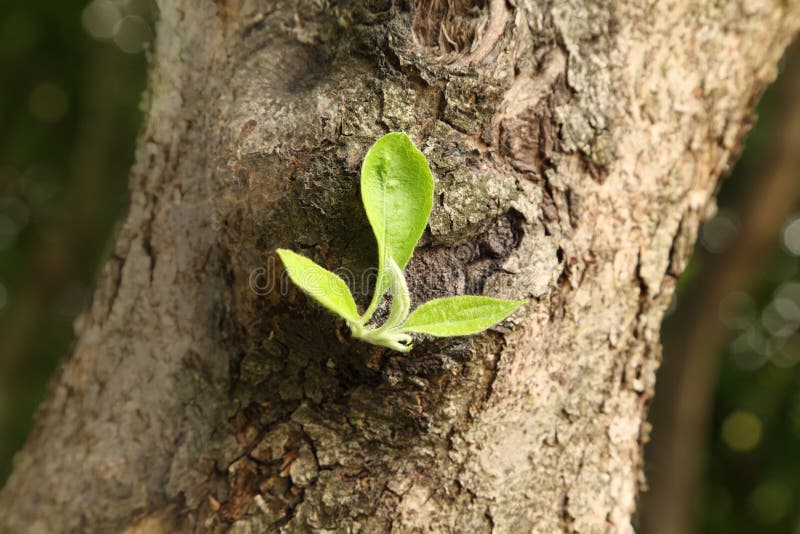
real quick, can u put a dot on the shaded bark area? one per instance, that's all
(575, 148)
(695, 335)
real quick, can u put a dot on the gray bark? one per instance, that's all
(576, 147)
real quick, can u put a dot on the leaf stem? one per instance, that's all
(388, 334)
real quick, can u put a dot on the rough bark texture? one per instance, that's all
(576, 146)
(694, 336)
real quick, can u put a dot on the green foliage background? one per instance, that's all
(69, 113)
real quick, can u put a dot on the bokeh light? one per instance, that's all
(791, 235)
(742, 431)
(132, 34)
(48, 102)
(779, 317)
(788, 353)
(770, 502)
(717, 233)
(127, 23)
(100, 18)
(749, 349)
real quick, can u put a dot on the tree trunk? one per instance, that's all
(576, 147)
(695, 335)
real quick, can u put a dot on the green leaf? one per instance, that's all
(320, 284)
(397, 192)
(459, 316)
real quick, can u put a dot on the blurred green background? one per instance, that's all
(71, 79)
(73, 73)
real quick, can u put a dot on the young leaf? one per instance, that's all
(321, 284)
(459, 316)
(397, 191)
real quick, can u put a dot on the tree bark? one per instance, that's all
(695, 335)
(576, 147)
